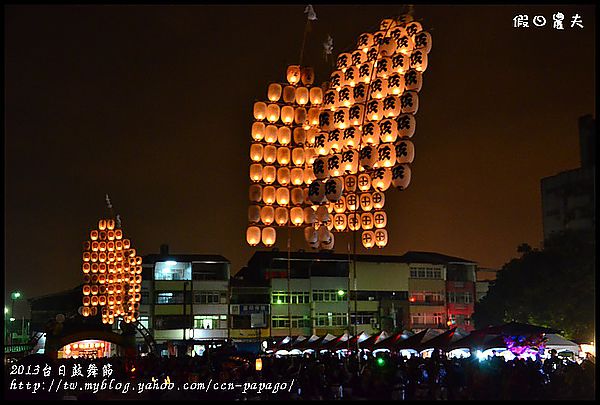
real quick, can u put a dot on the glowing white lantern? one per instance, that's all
(335, 80)
(282, 196)
(368, 156)
(256, 152)
(405, 45)
(391, 106)
(316, 95)
(297, 196)
(386, 155)
(387, 24)
(299, 135)
(270, 154)
(253, 235)
(309, 175)
(380, 219)
(322, 213)
(351, 137)
(344, 60)
(329, 242)
(269, 195)
(316, 192)
(320, 168)
(273, 112)
(405, 151)
(300, 115)
(302, 95)
(274, 92)
(271, 134)
(368, 239)
(406, 125)
(310, 235)
(400, 63)
(297, 176)
(310, 215)
(269, 174)
(413, 80)
(381, 238)
(307, 75)
(283, 155)
(365, 41)
(334, 189)
(381, 178)
(254, 193)
(297, 216)
(365, 201)
(401, 176)
(281, 216)
(397, 32)
(258, 130)
(378, 200)
(334, 141)
(351, 202)
(374, 110)
(340, 222)
(350, 77)
(360, 93)
(388, 130)
(253, 213)
(372, 55)
(326, 121)
(268, 236)
(267, 215)
(313, 117)
(350, 183)
(379, 88)
(413, 28)
(346, 97)
(409, 102)
(334, 165)
(363, 182)
(423, 41)
(418, 60)
(298, 156)
(370, 133)
(260, 110)
(330, 99)
(388, 46)
(395, 84)
(310, 154)
(366, 220)
(339, 206)
(364, 73)
(287, 114)
(284, 135)
(356, 116)
(283, 176)
(256, 172)
(353, 221)
(358, 57)
(349, 162)
(384, 68)
(293, 74)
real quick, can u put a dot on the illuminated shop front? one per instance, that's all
(87, 349)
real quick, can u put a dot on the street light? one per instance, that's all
(15, 295)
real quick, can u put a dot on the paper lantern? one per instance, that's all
(354, 221)
(298, 156)
(281, 216)
(273, 112)
(360, 93)
(302, 95)
(397, 32)
(299, 135)
(339, 206)
(401, 176)
(284, 135)
(381, 238)
(370, 133)
(365, 201)
(316, 95)
(270, 154)
(405, 151)
(405, 45)
(350, 183)
(271, 134)
(319, 168)
(365, 41)
(351, 202)
(322, 213)
(400, 63)
(297, 176)
(297, 196)
(330, 99)
(364, 73)
(418, 60)
(269, 174)
(374, 110)
(256, 171)
(307, 75)
(313, 116)
(423, 41)
(368, 239)
(94, 235)
(413, 28)
(283, 155)
(267, 215)
(386, 155)
(395, 84)
(326, 121)
(86, 290)
(406, 125)
(323, 234)
(335, 82)
(253, 235)
(282, 196)
(334, 167)
(387, 24)
(334, 189)
(358, 57)
(283, 176)
(384, 68)
(380, 219)
(378, 199)
(340, 222)
(388, 130)
(349, 162)
(316, 192)
(268, 236)
(381, 178)
(391, 106)
(309, 175)
(350, 78)
(366, 221)
(297, 216)
(345, 98)
(364, 182)
(372, 55)
(368, 156)
(293, 74)
(379, 88)
(344, 60)
(253, 213)
(334, 140)
(388, 46)
(310, 215)
(268, 195)
(287, 114)
(356, 116)
(409, 102)
(255, 193)
(260, 110)
(310, 234)
(329, 242)
(274, 92)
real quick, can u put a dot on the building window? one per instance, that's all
(171, 297)
(329, 295)
(426, 272)
(298, 321)
(363, 318)
(433, 319)
(209, 297)
(331, 319)
(296, 297)
(208, 321)
(171, 270)
(460, 297)
(164, 322)
(427, 297)
(144, 321)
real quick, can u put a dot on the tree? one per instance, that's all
(552, 287)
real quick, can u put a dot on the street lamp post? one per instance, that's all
(15, 295)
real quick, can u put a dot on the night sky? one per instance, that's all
(153, 105)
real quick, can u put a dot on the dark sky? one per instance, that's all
(153, 104)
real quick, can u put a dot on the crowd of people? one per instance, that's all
(387, 376)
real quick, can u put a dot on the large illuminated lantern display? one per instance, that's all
(112, 275)
(323, 157)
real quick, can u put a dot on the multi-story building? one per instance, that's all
(483, 277)
(185, 298)
(568, 198)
